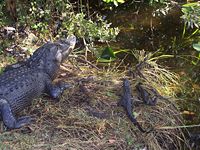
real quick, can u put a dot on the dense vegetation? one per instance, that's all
(110, 47)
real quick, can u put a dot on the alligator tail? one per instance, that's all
(135, 122)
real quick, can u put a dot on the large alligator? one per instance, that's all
(20, 83)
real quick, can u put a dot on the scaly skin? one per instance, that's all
(145, 96)
(126, 102)
(22, 82)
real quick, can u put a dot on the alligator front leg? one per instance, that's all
(56, 90)
(8, 118)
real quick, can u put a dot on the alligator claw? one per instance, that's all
(25, 119)
(22, 121)
(55, 91)
(63, 86)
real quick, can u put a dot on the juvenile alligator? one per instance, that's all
(126, 102)
(146, 96)
(22, 82)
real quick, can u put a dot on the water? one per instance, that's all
(141, 30)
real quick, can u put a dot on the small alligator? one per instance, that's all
(126, 102)
(146, 96)
(20, 83)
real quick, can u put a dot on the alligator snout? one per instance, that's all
(66, 46)
(72, 40)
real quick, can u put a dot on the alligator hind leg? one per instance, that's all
(8, 118)
(56, 90)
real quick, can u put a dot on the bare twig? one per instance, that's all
(84, 60)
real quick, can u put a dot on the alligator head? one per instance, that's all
(55, 54)
(65, 47)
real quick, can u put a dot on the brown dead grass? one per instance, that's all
(88, 118)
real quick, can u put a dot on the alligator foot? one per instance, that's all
(55, 91)
(25, 119)
(22, 121)
(8, 118)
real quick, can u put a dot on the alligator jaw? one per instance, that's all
(69, 43)
(66, 46)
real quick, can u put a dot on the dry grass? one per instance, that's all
(151, 73)
(88, 118)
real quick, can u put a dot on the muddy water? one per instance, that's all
(139, 29)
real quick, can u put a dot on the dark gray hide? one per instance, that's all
(22, 82)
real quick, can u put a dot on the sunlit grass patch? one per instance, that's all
(151, 73)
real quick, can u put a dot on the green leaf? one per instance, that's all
(135, 114)
(121, 1)
(102, 60)
(107, 1)
(115, 2)
(191, 4)
(108, 53)
(107, 56)
(196, 46)
(122, 51)
(194, 63)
